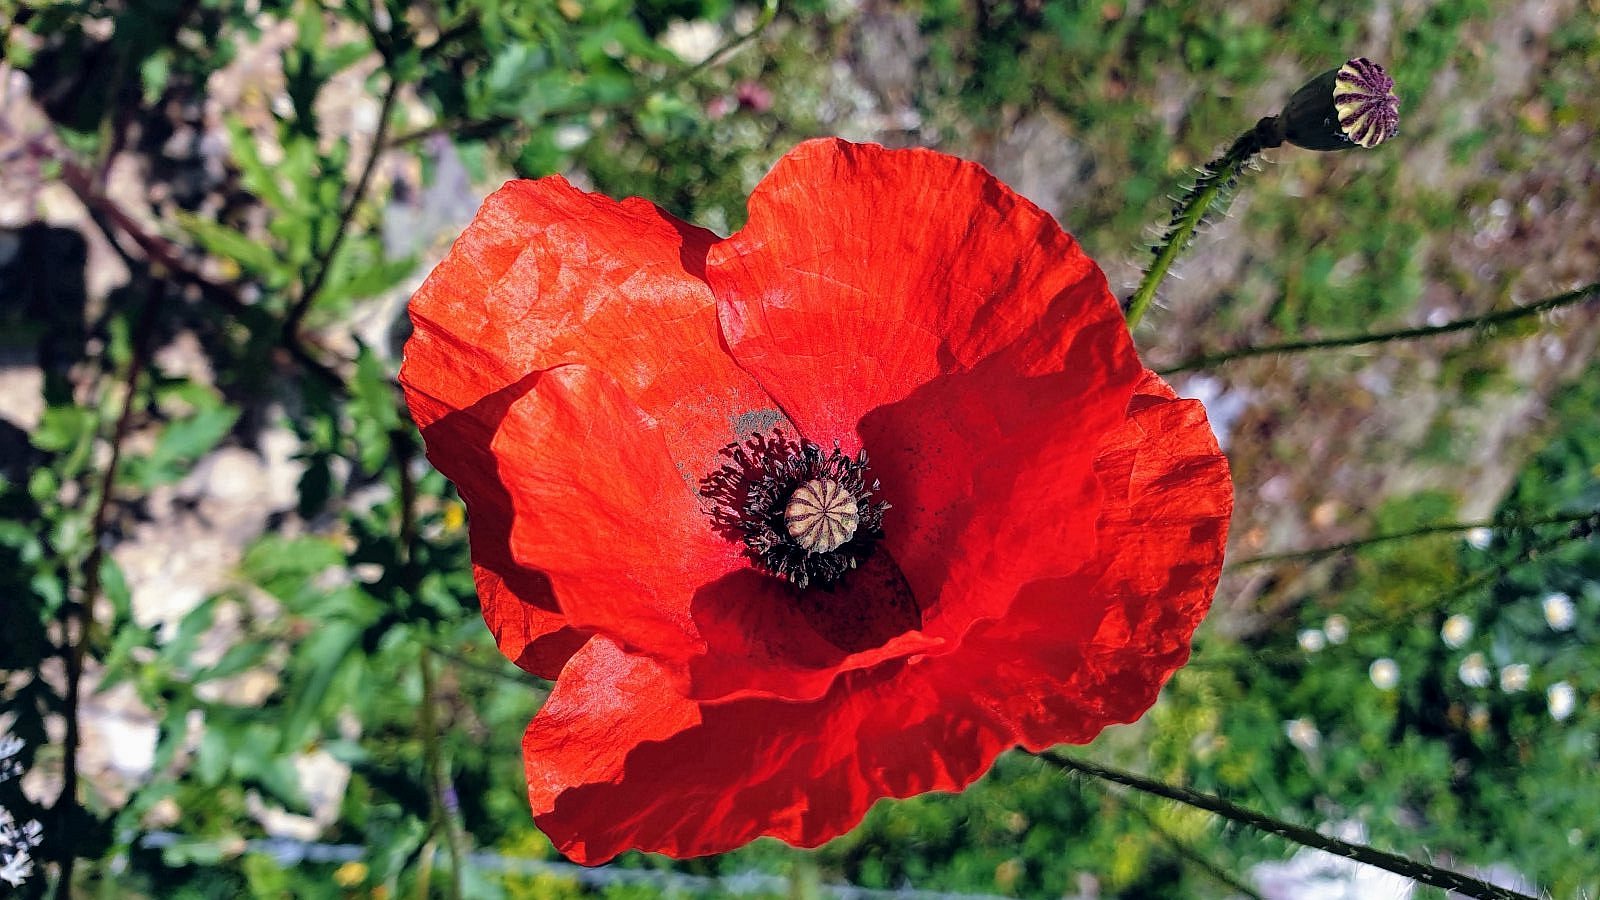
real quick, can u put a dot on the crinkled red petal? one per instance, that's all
(600, 509)
(618, 760)
(1094, 650)
(864, 273)
(547, 275)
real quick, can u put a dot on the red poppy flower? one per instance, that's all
(835, 509)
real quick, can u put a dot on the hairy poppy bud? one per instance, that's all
(1341, 108)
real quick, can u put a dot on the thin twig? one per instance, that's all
(442, 815)
(291, 324)
(1400, 865)
(507, 673)
(78, 616)
(1471, 323)
(113, 221)
(1424, 531)
(1373, 624)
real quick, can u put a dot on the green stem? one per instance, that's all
(1215, 181)
(438, 786)
(441, 816)
(1424, 531)
(1400, 865)
(78, 615)
(1472, 323)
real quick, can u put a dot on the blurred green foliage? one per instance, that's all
(342, 603)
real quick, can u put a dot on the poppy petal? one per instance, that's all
(909, 303)
(863, 273)
(547, 274)
(1094, 650)
(617, 761)
(992, 485)
(600, 509)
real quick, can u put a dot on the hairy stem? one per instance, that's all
(1400, 865)
(438, 784)
(1471, 323)
(1216, 179)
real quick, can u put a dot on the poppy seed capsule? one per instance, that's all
(821, 515)
(1353, 105)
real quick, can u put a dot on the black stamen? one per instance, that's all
(750, 491)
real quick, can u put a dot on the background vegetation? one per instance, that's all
(232, 584)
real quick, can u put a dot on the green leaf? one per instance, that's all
(222, 241)
(62, 428)
(319, 657)
(334, 61)
(373, 392)
(115, 588)
(212, 760)
(369, 280)
(256, 176)
(192, 437)
(21, 539)
(180, 647)
(180, 444)
(239, 658)
(284, 566)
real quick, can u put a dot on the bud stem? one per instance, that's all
(1215, 179)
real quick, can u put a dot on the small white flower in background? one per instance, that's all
(1480, 538)
(1514, 678)
(1457, 629)
(1474, 671)
(1385, 673)
(1559, 612)
(1312, 640)
(1303, 733)
(15, 840)
(1337, 628)
(9, 768)
(1562, 699)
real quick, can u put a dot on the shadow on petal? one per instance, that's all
(518, 603)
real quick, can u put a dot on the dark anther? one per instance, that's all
(803, 514)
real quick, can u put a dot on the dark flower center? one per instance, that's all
(803, 514)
